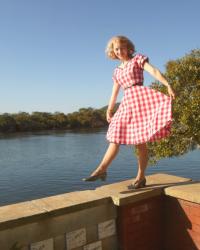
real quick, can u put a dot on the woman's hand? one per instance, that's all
(170, 92)
(109, 115)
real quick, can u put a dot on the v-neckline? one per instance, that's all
(126, 64)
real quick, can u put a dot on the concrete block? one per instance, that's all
(44, 245)
(59, 225)
(92, 233)
(106, 229)
(17, 212)
(84, 218)
(76, 238)
(60, 242)
(110, 243)
(93, 246)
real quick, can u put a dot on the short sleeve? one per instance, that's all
(114, 76)
(141, 59)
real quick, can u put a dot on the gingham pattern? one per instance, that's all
(132, 72)
(144, 114)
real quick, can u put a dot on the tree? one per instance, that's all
(7, 123)
(23, 121)
(184, 76)
(60, 120)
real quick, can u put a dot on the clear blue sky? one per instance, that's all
(52, 51)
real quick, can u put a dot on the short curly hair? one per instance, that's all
(122, 40)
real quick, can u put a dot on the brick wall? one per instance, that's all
(140, 225)
(160, 223)
(182, 224)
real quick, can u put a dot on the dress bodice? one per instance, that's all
(132, 73)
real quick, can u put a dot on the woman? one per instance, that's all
(143, 115)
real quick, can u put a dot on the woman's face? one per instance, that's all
(120, 50)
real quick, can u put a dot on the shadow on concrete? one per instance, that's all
(155, 186)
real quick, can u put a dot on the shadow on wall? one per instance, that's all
(181, 232)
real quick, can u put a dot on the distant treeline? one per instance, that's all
(36, 121)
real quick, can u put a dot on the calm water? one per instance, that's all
(44, 164)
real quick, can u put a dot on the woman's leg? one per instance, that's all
(109, 156)
(142, 160)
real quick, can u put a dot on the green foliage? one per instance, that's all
(22, 121)
(7, 123)
(184, 76)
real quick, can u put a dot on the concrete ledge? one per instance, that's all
(189, 192)
(117, 193)
(154, 187)
(30, 211)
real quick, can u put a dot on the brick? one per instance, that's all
(142, 245)
(149, 217)
(139, 209)
(179, 247)
(133, 210)
(195, 211)
(152, 215)
(144, 235)
(138, 227)
(179, 220)
(188, 203)
(140, 206)
(194, 235)
(184, 203)
(178, 237)
(176, 206)
(196, 228)
(187, 218)
(194, 219)
(131, 220)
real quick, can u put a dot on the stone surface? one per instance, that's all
(18, 212)
(93, 246)
(70, 202)
(30, 211)
(76, 238)
(57, 226)
(59, 242)
(44, 245)
(110, 243)
(106, 229)
(92, 232)
(121, 195)
(189, 192)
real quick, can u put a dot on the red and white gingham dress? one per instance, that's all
(144, 114)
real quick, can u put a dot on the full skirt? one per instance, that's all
(144, 115)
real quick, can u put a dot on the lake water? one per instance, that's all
(35, 165)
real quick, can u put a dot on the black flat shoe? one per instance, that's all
(101, 176)
(138, 184)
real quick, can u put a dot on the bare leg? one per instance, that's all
(142, 160)
(109, 156)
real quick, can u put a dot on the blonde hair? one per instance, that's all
(122, 40)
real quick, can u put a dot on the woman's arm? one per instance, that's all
(112, 101)
(158, 76)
